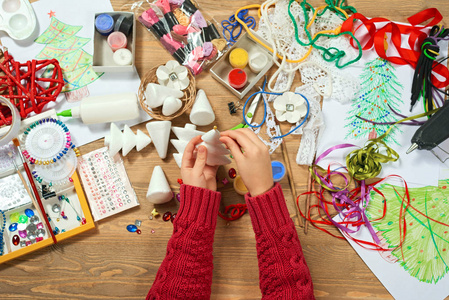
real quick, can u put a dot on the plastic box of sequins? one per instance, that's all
(24, 227)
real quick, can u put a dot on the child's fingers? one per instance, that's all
(200, 161)
(232, 146)
(240, 137)
(188, 160)
(252, 136)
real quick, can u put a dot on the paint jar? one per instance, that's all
(117, 40)
(104, 24)
(238, 58)
(278, 170)
(237, 78)
(124, 24)
(257, 61)
(122, 57)
(239, 186)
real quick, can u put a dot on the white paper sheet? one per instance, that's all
(80, 13)
(420, 166)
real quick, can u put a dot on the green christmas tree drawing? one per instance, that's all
(425, 250)
(61, 43)
(380, 88)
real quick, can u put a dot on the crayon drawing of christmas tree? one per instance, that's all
(62, 43)
(425, 249)
(380, 90)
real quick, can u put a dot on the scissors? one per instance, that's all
(250, 112)
(230, 25)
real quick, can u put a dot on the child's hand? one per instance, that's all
(252, 158)
(194, 171)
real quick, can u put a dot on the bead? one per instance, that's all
(180, 181)
(23, 233)
(14, 218)
(29, 212)
(154, 212)
(56, 208)
(23, 219)
(131, 228)
(167, 216)
(173, 217)
(152, 231)
(83, 221)
(34, 219)
(39, 226)
(138, 231)
(138, 223)
(178, 197)
(15, 240)
(13, 227)
(38, 239)
(232, 173)
(28, 243)
(225, 181)
(23, 244)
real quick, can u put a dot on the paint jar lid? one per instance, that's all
(239, 186)
(124, 24)
(257, 61)
(238, 58)
(117, 40)
(104, 23)
(278, 170)
(237, 78)
(123, 57)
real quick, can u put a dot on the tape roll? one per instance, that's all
(15, 122)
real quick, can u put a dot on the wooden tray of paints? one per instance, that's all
(65, 205)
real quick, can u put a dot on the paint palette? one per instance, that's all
(17, 18)
(106, 183)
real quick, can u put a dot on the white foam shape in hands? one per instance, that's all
(216, 152)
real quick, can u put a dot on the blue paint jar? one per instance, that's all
(104, 24)
(278, 170)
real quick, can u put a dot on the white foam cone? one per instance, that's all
(202, 113)
(171, 105)
(217, 160)
(178, 158)
(180, 145)
(129, 140)
(159, 190)
(142, 140)
(160, 133)
(215, 150)
(114, 140)
(155, 94)
(187, 132)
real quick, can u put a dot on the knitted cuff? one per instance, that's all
(198, 205)
(269, 210)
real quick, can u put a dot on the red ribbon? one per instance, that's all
(378, 30)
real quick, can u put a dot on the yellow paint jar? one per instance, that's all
(238, 58)
(239, 186)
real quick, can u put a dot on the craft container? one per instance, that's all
(73, 191)
(103, 56)
(17, 18)
(221, 69)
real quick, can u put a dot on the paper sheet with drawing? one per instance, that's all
(73, 48)
(384, 86)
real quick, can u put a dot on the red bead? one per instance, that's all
(138, 231)
(180, 181)
(173, 217)
(15, 240)
(232, 173)
(167, 216)
(83, 221)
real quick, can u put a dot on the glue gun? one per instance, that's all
(433, 132)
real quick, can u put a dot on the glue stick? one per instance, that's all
(104, 109)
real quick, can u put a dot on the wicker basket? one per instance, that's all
(156, 113)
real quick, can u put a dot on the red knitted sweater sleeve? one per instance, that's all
(283, 272)
(186, 271)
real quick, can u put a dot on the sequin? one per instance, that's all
(23, 233)
(178, 197)
(56, 208)
(14, 218)
(138, 231)
(167, 216)
(232, 173)
(13, 227)
(39, 226)
(23, 244)
(23, 219)
(173, 217)
(138, 223)
(29, 212)
(131, 228)
(40, 233)
(34, 219)
(15, 240)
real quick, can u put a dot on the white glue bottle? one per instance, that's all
(105, 109)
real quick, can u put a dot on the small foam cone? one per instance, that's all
(171, 105)
(142, 140)
(159, 190)
(160, 133)
(114, 140)
(202, 113)
(178, 158)
(129, 140)
(156, 94)
(187, 132)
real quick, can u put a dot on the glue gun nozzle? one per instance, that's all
(412, 147)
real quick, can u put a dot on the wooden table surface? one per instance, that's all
(110, 263)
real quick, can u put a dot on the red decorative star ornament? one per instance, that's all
(24, 87)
